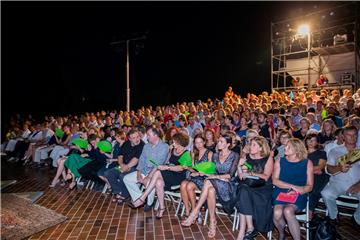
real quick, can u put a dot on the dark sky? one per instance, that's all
(57, 57)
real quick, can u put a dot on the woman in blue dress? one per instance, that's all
(292, 173)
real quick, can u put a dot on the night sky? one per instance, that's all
(57, 57)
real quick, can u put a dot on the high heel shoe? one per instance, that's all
(160, 213)
(53, 184)
(72, 185)
(133, 205)
(212, 229)
(190, 220)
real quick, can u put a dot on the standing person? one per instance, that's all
(292, 173)
(345, 178)
(154, 151)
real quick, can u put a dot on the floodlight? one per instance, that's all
(304, 29)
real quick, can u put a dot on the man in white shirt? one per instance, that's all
(339, 141)
(345, 179)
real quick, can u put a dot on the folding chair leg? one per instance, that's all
(206, 216)
(235, 219)
(105, 188)
(183, 210)
(178, 207)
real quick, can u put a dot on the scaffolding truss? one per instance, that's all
(330, 48)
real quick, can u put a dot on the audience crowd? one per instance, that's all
(270, 154)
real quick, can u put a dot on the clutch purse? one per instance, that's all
(289, 197)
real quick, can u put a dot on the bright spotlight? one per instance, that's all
(303, 30)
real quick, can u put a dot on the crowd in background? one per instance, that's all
(284, 142)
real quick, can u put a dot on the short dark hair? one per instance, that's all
(349, 128)
(154, 130)
(92, 137)
(132, 131)
(181, 139)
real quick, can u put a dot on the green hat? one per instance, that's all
(59, 133)
(205, 167)
(104, 146)
(185, 160)
(81, 143)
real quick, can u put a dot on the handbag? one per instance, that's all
(289, 197)
(254, 182)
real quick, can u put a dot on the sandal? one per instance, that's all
(68, 176)
(72, 185)
(212, 229)
(189, 221)
(160, 213)
(117, 197)
(134, 205)
(249, 235)
(53, 184)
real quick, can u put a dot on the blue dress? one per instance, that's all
(293, 173)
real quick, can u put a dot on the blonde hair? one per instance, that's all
(299, 148)
(263, 143)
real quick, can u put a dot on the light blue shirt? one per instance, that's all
(157, 153)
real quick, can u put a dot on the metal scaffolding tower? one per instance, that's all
(330, 47)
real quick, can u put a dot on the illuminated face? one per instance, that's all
(222, 144)
(350, 137)
(255, 148)
(199, 143)
(134, 138)
(289, 149)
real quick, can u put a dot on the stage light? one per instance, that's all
(303, 30)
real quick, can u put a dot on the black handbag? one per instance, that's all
(254, 182)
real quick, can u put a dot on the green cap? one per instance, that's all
(104, 146)
(81, 143)
(205, 167)
(59, 133)
(185, 159)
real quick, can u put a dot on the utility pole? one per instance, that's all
(127, 41)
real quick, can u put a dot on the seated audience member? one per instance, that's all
(210, 139)
(345, 178)
(282, 123)
(327, 132)
(217, 186)
(255, 203)
(127, 160)
(283, 139)
(168, 175)
(73, 163)
(318, 158)
(304, 128)
(62, 148)
(154, 153)
(242, 129)
(90, 169)
(199, 154)
(339, 140)
(292, 173)
(119, 137)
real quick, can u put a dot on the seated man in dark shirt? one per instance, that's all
(89, 171)
(128, 159)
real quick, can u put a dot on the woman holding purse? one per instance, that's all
(293, 177)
